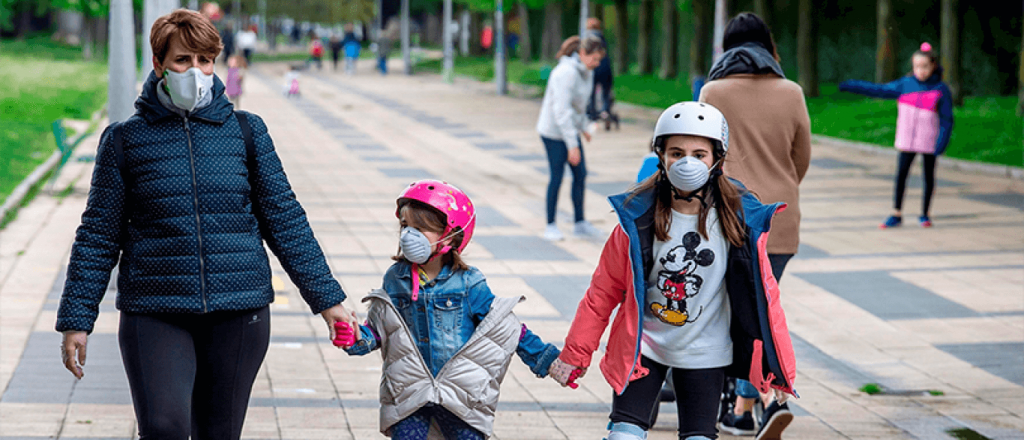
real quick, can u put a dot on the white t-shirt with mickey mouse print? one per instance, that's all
(686, 309)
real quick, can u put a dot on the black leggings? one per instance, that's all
(905, 161)
(193, 374)
(698, 394)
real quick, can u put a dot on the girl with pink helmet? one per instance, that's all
(445, 339)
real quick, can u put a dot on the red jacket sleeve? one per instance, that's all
(607, 291)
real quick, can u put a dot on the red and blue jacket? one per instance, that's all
(762, 349)
(925, 111)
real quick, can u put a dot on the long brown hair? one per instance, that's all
(428, 218)
(721, 194)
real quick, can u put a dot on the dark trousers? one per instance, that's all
(593, 110)
(247, 53)
(193, 374)
(903, 170)
(778, 261)
(558, 156)
(698, 393)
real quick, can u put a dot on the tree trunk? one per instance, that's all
(621, 61)
(551, 40)
(1020, 79)
(645, 23)
(597, 11)
(807, 48)
(476, 26)
(670, 39)
(87, 38)
(525, 44)
(699, 42)
(433, 29)
(763, 8)
(885, 58)
(951, 49)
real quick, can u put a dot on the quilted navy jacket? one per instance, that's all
(183, 226)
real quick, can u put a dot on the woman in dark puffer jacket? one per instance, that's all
(180, 201)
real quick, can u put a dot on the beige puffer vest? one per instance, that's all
(467, 385)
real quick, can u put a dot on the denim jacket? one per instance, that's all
(445, 315)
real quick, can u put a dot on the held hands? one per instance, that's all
(338, 313)
(72, 352)
(345, 335)
(565, 374)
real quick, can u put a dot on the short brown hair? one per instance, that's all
(195, 32)
(426, 217)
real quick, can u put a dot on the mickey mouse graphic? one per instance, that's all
(678, 280)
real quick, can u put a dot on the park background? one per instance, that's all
(54, 54)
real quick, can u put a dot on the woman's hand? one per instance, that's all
(72, 352)
(338, 313)
(574, 156)
(586, 136)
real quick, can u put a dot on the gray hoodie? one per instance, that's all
(563, 113)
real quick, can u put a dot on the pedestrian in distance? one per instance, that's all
(227, 38)
(445, 339)
(335, 44)
(316, 52)
(924, 123)
(601, 100)
(233, 83)
(183, 195)
(291, 81)
(771, 133)
(563, 122)
(352, 47)
(683, 269)
(246, 41)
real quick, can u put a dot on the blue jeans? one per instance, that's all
(417, 425)
(382, 65)
(558, 156)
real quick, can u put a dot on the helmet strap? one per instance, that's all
(415, 281)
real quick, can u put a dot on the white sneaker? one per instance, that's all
(551, 233)
(583, 228)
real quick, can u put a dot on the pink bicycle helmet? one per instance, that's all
(451, 201)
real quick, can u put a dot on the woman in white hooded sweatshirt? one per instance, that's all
(562, 123)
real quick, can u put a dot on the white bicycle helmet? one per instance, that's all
(695, 119)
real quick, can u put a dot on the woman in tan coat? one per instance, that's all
(771, 150)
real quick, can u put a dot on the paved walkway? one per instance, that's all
(910, 309)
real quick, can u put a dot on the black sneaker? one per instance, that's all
(738, 425)
(776, 419)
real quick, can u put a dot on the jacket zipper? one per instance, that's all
(913, 131)
(199, 226)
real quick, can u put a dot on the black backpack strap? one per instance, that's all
(250, 143)
(119, 152)
(250, 163)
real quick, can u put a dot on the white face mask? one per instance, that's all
(689, 174)
(187, 89)
(415, 246)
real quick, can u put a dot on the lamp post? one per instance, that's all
(449, 61)
(121, 81)
(500, 66)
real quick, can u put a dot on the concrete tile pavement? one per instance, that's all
(970, 263)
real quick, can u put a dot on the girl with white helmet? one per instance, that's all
(446, 340)
(688, 270)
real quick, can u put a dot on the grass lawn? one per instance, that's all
(986, 129)
(42, 82)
